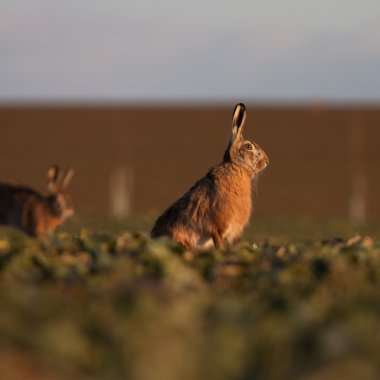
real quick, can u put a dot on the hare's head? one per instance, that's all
(58, 198)
(244, 152)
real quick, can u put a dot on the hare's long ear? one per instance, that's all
(66, 178)
(52, 179)
(238, 121)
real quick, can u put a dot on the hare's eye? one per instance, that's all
(248, 146)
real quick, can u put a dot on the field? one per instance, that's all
(168, 148)
(98, 299)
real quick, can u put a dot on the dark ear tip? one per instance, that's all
(239, 109)
(238, 115)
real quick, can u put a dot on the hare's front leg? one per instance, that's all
(217, 239)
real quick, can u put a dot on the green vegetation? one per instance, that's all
(303, 302)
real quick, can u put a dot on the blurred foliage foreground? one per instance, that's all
(96, 305)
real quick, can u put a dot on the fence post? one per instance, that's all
(357, 206)
(121, 182)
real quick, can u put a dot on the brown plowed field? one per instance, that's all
(168, 148)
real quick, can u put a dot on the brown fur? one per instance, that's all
(219, 205)
(33, 213)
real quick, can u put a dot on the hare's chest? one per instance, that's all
(238, 219)
(235, 228)
(241, 210)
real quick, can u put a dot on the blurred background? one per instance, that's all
(138, 96)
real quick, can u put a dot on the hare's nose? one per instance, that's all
(263, 156)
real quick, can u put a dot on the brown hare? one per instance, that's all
(33, 213)
(218, 206)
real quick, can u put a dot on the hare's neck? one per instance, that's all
(52, 206)
(234, 177)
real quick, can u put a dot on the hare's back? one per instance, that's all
(185, 211)
(171, 217)
(12, 197)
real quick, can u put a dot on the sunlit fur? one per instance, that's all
(219, 205)
(26, 209)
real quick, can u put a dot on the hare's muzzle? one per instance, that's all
(263, 161)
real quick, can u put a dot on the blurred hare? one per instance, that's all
(218, 206)
(26, 209)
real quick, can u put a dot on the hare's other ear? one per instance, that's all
(52, 178)
(66, 178)
(238, 120)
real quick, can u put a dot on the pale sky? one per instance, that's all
(199, 50)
